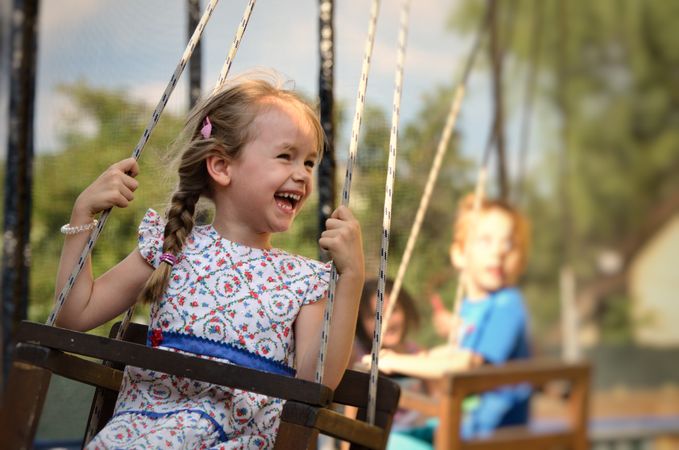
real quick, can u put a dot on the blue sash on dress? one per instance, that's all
(222, 350)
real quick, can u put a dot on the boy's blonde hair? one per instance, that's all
(232, 111)
(521, 229)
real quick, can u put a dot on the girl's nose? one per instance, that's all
(301, 173)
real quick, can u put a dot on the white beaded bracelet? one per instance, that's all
(68, 229)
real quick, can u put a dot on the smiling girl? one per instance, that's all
(221, 291)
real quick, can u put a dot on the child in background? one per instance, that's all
(404, 320)
(491, 248)
(221, 291)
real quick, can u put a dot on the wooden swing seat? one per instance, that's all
(43, 350)
(571, 434)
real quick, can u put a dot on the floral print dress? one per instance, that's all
(228, 302)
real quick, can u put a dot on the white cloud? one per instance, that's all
(64, 15)
(56, 112)
(151, 92)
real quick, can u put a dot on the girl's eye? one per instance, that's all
(310, 164)
(285, 156)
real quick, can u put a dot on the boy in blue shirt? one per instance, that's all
(492, 328)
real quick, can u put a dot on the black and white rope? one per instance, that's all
(353, 146)
(235, 45)
(240, 31)
(386, 219)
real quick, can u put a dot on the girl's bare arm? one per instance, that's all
(93, 302)
(342, 239)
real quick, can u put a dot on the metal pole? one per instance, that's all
(326, 168)
(18, 176)
(196, 61)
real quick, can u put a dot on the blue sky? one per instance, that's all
(135, 45)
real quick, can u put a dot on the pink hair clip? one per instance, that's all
(206, 131)
(168, 258)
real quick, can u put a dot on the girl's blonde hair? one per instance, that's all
(232, 111)
(521, 227)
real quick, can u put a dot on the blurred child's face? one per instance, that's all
(492, 258)
(396, 328)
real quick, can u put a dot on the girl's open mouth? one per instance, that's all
(287, 200)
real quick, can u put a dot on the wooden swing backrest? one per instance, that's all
(571, 434)
(43, 350)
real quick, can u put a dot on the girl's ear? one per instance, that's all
(457, 256)
(219, 169)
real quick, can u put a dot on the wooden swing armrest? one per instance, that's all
(68, 366)
(334, 424)
(173, 363)
(536, 373)
(456, 386)
(353, 388)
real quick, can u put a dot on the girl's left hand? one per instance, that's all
(342, 239)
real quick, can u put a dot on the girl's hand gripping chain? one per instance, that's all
(89, 304)
(114, 187)
(342, 239)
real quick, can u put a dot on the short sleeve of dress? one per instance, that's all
(150, 238)
(318, 283)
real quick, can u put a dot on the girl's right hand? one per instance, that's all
(114, 187)
(342, 239)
